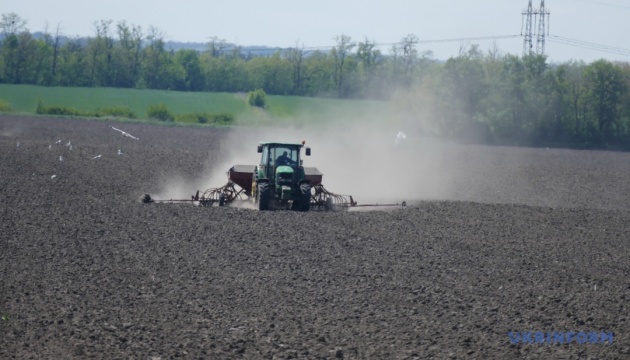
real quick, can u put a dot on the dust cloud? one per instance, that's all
(11, 132)
(176, 187)
(357, 155)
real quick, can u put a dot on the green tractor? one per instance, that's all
(279, 180)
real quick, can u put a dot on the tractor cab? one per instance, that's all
(280, 178)
(281, 163)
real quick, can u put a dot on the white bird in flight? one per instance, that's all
(399, 137)
(124, 133)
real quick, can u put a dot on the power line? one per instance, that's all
(464, 39)
(606, 4)
(459, 39)
(552, 38)
(589, 45)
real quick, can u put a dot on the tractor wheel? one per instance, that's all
(329, 204)
(222, 200)
(263, 196)
(305, 198)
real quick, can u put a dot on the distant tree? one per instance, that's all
(319, 75)
(156, 60)
(496, 109)
(25, 59)
(464, 88)
(367, 54)
(194, 79)
(574, 73)
(538, 92)
(12, 24)
(274, 74)
(409, 57)
(9, 50)
(367, 58)
(14, 29)
(340, 53)
(20, 55)
(41, 64)
(394, 75)
(55, 43)
(625, 101)
(606, 86)
(555, 124)
(128, 55)
(74, 64)
(296, 57)
(101, 54)
(216, 46)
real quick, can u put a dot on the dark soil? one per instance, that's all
(525, 240)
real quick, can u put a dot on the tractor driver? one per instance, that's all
(285, 160)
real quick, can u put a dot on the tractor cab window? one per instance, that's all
(265, 156)
(285, 156)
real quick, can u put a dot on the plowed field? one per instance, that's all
(495, 240)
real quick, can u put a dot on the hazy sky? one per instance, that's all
(284, 23)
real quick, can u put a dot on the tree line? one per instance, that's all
(480, 96)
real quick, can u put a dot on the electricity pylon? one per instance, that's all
(531, 17)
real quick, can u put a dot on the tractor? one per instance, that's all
(279, 181)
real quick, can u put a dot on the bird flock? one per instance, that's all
(70, 147)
